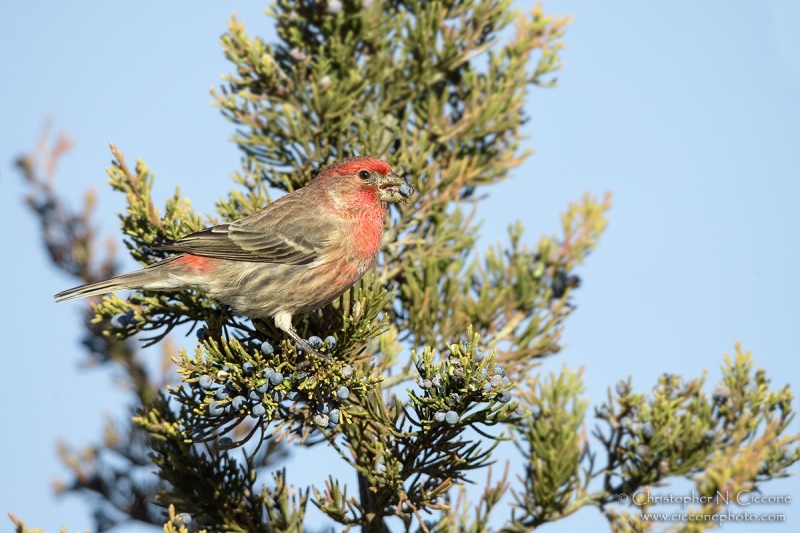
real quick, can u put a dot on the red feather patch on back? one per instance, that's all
(195, 263)
(352, 165)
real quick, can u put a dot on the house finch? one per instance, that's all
(297, 254)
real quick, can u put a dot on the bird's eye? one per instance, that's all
(364, 175)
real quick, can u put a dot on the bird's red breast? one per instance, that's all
(367, 233)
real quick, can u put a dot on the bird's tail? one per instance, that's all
(154, 277)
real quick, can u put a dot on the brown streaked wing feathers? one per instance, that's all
(284, 232)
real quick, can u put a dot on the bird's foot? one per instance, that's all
(283, 320)
(308, 349)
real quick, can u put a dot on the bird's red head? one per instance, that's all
(352, 165)
(363, 179)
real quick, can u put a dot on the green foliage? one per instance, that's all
(437, 90)
(675, 430)
(408, 458)
(551, 440)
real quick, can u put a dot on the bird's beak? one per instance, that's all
(393, 188)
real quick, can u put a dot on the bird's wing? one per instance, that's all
(286, 232)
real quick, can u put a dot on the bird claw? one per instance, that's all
(302, 365)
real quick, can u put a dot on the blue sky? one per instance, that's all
(689, 112)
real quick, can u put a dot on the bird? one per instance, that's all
(297, 254)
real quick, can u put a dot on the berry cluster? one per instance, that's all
(451, 417)
(230, 398)
(315, 342)
(721, 393)
(493, 379)
(185, 520)
(497, 380)
(327, 409)
(123, 320)
(638, 431)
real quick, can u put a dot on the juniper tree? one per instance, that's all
(432, 353)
